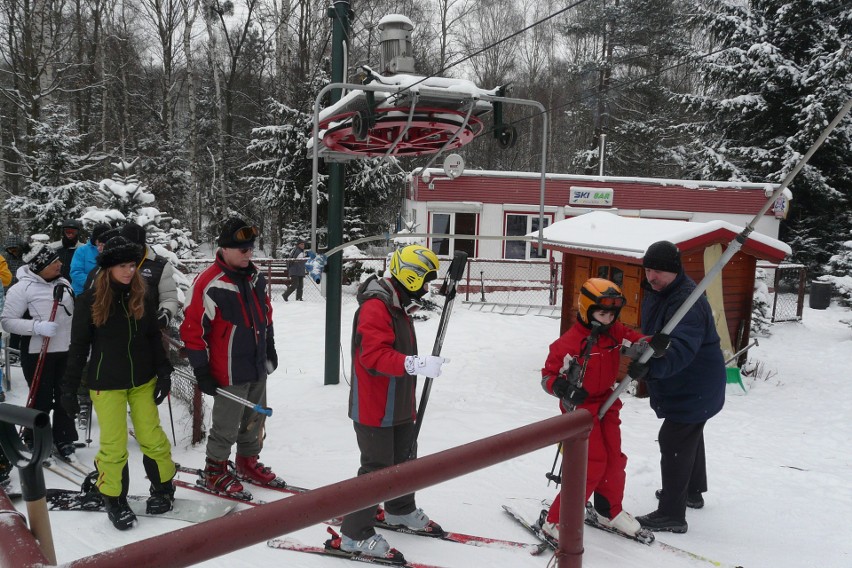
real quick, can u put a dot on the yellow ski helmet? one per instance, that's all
(598, 294)
(414, 265)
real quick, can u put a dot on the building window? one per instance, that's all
(611, 273)
(454, 224)
(519, 224)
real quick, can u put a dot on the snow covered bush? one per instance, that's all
(761, 310)
(839, 273)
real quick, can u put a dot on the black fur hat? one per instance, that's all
(99, 230)
(118, 250)
(134, 233)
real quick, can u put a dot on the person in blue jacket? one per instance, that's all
(85, 259)
(686, 383)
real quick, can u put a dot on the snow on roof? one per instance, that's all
(603, 232)
(769, 188)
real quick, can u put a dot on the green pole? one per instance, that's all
(340, 13)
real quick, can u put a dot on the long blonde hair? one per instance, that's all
(102, 304)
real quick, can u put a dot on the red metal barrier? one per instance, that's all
(238, 530)
(19, 548)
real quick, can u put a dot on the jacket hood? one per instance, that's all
(14, 241)
(381, 289)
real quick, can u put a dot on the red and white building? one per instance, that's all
(492, 203)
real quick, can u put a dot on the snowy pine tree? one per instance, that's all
(779, 72)
(839, 273)
(54, 189)
(123, 198)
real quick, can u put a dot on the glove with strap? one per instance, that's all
(206, 383)
(164, 385)
(271, 357)
(69, 403)
(164, 318)
(570, 393)
(637, 370)
(427, 365)
(45, 328)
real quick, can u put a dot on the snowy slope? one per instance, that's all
(779, 457)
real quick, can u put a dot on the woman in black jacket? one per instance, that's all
(128, 367)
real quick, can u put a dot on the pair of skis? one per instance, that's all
(548, 542)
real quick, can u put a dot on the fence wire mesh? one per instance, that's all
(789, 290)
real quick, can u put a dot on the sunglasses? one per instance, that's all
(245, 234)
(244, 250)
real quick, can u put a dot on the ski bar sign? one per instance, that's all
(590, 196)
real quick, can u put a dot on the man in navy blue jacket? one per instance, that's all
(686, 383)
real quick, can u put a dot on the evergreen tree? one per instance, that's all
(123, 198)
(54, 188)
(781, 72)
(839, 273)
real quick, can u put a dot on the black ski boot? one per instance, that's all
(162, 498)
(119, 512)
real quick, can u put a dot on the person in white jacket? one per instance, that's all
(27, 312)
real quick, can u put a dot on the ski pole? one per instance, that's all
(448, 290)
(171, 418)
(45, 343)
(733, 248)
(587, 351)
(741, 351)
(265, 410)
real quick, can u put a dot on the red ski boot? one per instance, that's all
(217, 479)
(251, 470)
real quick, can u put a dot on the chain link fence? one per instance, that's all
(789, 291)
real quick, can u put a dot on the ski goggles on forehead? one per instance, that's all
(610, 301)
(245, 234)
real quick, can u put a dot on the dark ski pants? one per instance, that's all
(49, 393)
(297, 284)
(683, 465)
(380, 448)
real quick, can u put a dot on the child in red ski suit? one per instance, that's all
(599, 304)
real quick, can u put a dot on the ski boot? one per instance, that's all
(119, 512)
(550, 530)
(375, 546)
(162, 498)
(217, 479)
(693, 500)
(417, 521)
(253, 471)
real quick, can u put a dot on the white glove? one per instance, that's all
(45, 328)
(428, 365)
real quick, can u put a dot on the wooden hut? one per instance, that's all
(608, 246)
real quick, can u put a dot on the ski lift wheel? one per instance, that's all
(507, 137)
(427, 133)
(360, 126)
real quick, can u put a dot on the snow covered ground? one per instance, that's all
(779, 458)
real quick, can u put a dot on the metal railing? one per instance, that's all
(233, 532)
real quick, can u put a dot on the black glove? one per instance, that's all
(659, 343)
(70, 404)
(164, 318)
(637, 370)
(206, 383)
(570, 393)
(271, 358)
(163, 388)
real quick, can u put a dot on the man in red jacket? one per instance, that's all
(229, 340)
(382, 399)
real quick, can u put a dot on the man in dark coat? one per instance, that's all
(296, 271)
(68, 245)
(686, 385)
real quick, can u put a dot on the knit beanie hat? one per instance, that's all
(228, 237)
(40, 256)
(99, 230)
(119, 250)
(663, 256)
(133, 233)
